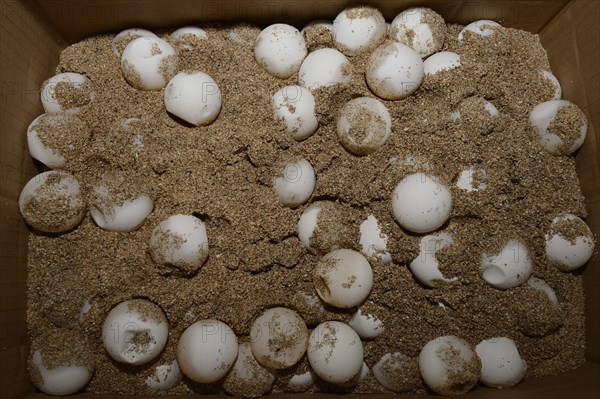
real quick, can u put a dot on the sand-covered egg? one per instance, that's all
(295, 185)
(366, 325)
(67, 91)
(294, 106)
(248, 378)
(207, 350)
(324, 67)
(148, 63)
(335, 352)
(397, 372)
(123, 38)
(135, 332)
(364, 125)
(194, 97)
(419, 28)
(442, 61)
(343, 278)
(373, 241)
(483, 28)
(508, 268)
(550, 78)
(52, 202)
(165, 376)
(188, 37)
(358, 29)
(569, 242)
(115, 210)
(321, 227)
(472, 179)
(280, 50)
(541, 285)
(425, 267)
(501, 363)
(560, 126)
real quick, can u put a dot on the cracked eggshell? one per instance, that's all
(425, 267)
(482, 28)
(73, 80)
(501, 363)
(165, 376)
(135, 332)
(442, 61)
(280, 50)
(366, 325)
(555, 129)
(373, 241)
(509, 268)
(335, 352)
(569, 254)
(148, 63)
(421, 29)
(295, 107)
(343, 278)
(358, 29)
(248, 378)
(296, 185)
(323, 68)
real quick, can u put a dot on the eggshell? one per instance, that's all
(296, 185)
(364, 125)
(501, 363)
(294, 106)
(366, 325)
(509, 268)
(148, 63)
(165, 376)
(566, 254)
(324, 67)
(248, 379)
(358, 29)
(482, 28)
(74, 81)
(542, 285)
(558, 139)
(373, 241)
(124, 217)
(397, 372)
(194, 97)
(123, 38)
(425, 267)
(280, 50)
(442, 61)
(419, 28)
(467, 176)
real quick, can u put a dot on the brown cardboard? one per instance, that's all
(32, 34)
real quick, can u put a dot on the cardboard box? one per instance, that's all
(33, 33)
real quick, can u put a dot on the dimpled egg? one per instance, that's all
(194, 97)
(148, 63)
(560, 126)
(421, 29)
(343, 278)
(501, 363)
(66, 92)
(324, 67)
(482, 28)
(364, 125)
(397, 372)
(358, 29)
(449, 366)
(295, 107)
(297, 183)
(509, 268)
(569, 243)
(425, 267)
(280, 49)
(394, 71)
(248, 378)
(442, 61)
(335, 352)
(421, 203)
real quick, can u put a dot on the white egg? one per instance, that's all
(366, 325)
(194, 97)
(555, 83)
(121, 40)
(343, 278)
(425, 267)
(312, 309)
(490, 108)
(207, 350)
(72, 320)
(247, 378)
(364, 125)
(394, 71)
(442, 61)
(165, 376)
(324, 67)
(421, 29)
(565, 253)
(322, 227)
(421, 203)
(302, 382)
(335, 352)
(509, 268)
(467, 177)
(501, 363)
(128, 215)
(135, 332)
(542, 285)
(397, 372)
(52, 202)
(184, 37)
(357, 379)
(482, 28)
(321, 23)
(63, 380)
(296, 185)
(553, 138)
(148, 63)
(180, 243)
(280, 49)
(449, 366)
(307, 224)
(358, 29)
(455, 116)
(279, 338)
(295, 107)
(373, 241)
(72, 81)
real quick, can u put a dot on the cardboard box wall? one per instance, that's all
(33, 33)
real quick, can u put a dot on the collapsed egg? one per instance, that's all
(248, 378)
(569, 243)
(509, 268)
(295, 107)
(67, 92)
(148, 63)
(501, 363)
(419, 28)
(425, 267)
(324, 67)
(194, 97)
(560, 126)
(364, 125)
(296, 185)
(280, 49)
(358, 29)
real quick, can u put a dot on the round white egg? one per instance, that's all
(543, 115)
(425, 267)
(555, 83)
(324, 67)
(373, 241)
(321, 23)
(302, 382)
(307, 224)
(278, 338)
(280, 50)
(148, 63)
(397, 372)
(63, 380)
(541, 285)
(165, 376)
(207, 350)
(364, 125)
(394, 71)
(442, 61)
(482, 28)
(121, 40)
(180, 242)
(74, 81)
(366, 325)
(565, 254)
(295, 107)
(445, 357)
(501, 363)
(421, 203)
(194, 97)
(335, 352)
(182, 37)
(296, 185)
(358, 29)
(343, 278)
(419, 28)
(135, 332)
(52, 202)
(126, 216)
(509, 268)
(247, 378)
(466, 179)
